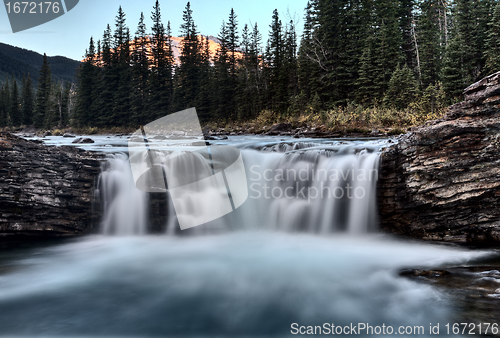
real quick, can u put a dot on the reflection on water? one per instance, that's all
(235, 284)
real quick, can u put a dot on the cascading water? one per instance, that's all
(292, 187)
(236, 283)
(125, 206)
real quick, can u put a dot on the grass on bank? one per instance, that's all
(346, 120)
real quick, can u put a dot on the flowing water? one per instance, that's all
(283, 257)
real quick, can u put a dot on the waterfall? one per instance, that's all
(125, 207)
(304, 187)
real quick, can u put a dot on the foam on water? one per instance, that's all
(239, 283)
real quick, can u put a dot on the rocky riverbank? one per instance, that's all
(45, 191)
(441, 182)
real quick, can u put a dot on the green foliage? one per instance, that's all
(430, 41)
(402, 89)
(16, 118)
(187, 75)
(430, 103)
(160, 80)
(453, 76)
(368, 61)
(492, 50)
(4, 104)
(42, 101)
(28, 101)
(85, 110)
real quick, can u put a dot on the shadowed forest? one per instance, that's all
(359, 63)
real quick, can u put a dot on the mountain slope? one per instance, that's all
(18, 61)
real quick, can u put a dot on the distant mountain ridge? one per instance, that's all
(15, 61)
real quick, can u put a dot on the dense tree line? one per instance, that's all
(126, 82)
(392, 51)
(46, 107)
(389, 53)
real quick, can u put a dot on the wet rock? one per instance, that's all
(68, 136)
(476, 289)
(216, 138)
(45, 191)
(159, 137)
(441, 181)
(200, 144)
(424, 273)
(279, 128)
(81, 140)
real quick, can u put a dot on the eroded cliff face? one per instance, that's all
(45, 191)
(442, 180)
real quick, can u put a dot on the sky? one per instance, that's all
(69, 34)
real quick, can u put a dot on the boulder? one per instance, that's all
(46, 191)
(82, 140)
(441, 181)
(279, 128)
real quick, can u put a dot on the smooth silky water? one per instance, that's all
(273, 262)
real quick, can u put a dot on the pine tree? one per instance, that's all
(452, 73)
(3, 106)
(402, 89)
(492, 50)
(105, 85)
(7, 103)
(161, 85)
(275, 64)
(61, 99)
(15, 106)
(389, 36)
(339, 32)
(432, 99)
(381, 53)
(140, 73)
(85, 110)
(308, 70)
(290, 56)
(121, 108)
(466, 38)
(42, 101)
(251, 85)
(232, 41)
(472, 18)
(28, 102)
(430, 46)
(206, 90)
(367, 84)
(406, 18)
(223, 90)
(65, 105)
(188, 73)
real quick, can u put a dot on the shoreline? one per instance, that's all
(278, 129)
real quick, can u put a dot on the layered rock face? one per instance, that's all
(45, 191)
(442, 180)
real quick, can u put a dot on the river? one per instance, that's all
(273, 267)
